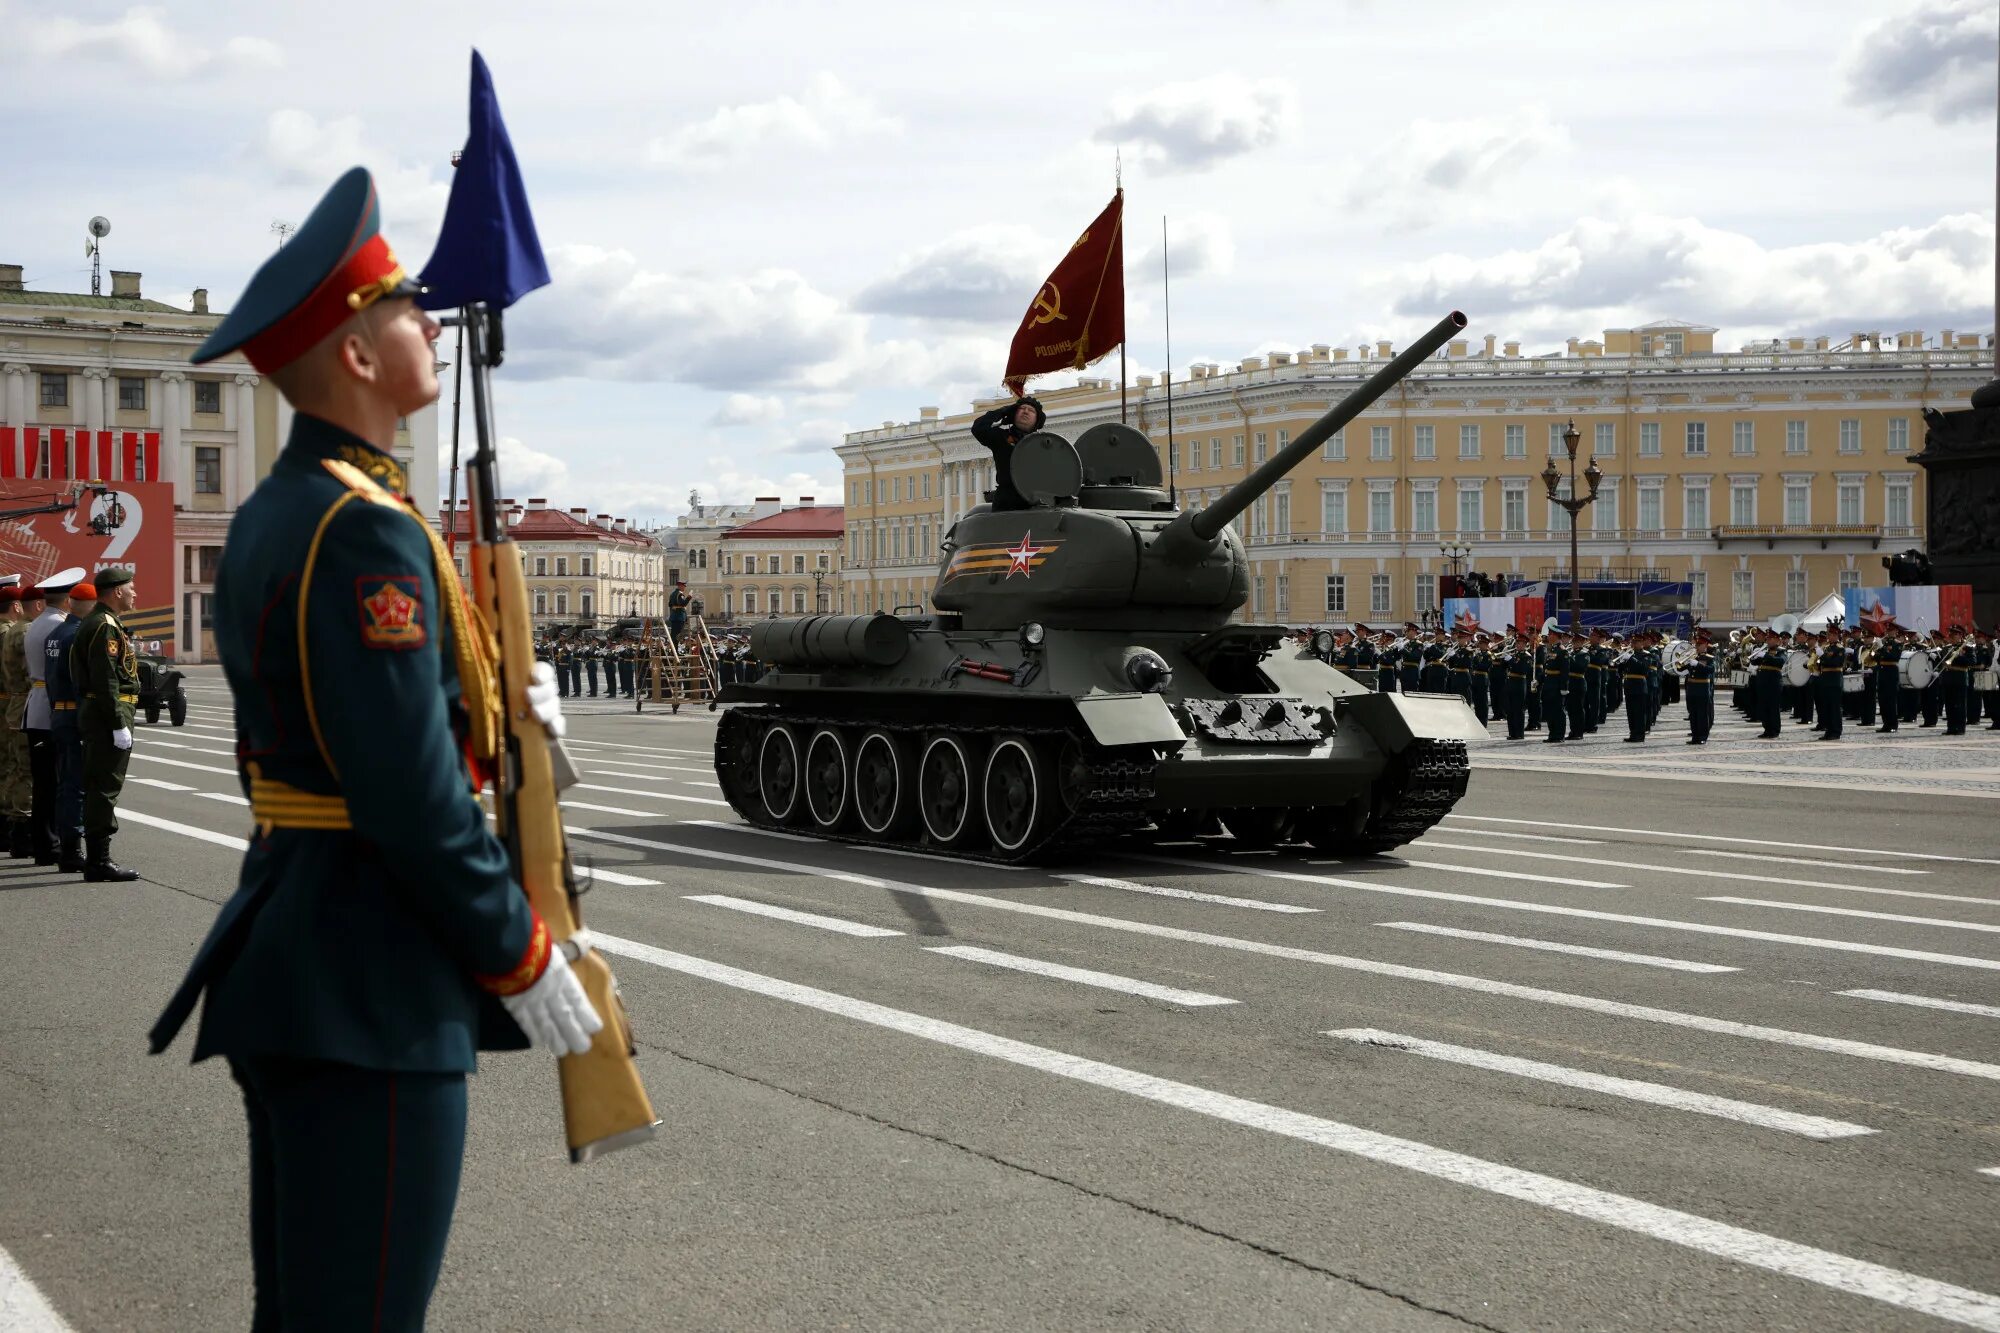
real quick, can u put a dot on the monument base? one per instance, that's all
(1961, 462)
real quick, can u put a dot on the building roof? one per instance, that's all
(807, 521)
(554, 525)
(80, 301)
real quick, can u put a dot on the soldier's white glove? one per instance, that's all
(545, 701)
(554, 1012)
(122, 738)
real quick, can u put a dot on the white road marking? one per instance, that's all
(911, 852)
(224, 796)
(651, 777)
(1735, 1244)
(643, 749)
(1634, 865)
(1855, 911)
(1486, 873)
(623, 762)
(648, 795)
(1949, 1064)
(1585, 913)
(1550, 946)
(612, 876)
(1082, 976)
(140, 753)
(23, 1308)
(152, 743)
(1655, 1094)
(1897, 997)
(185, 830)
(1989, 1170)
(1717, 837)
(162, 784)
(1254, 904)
(1525, 837)
(1802, 861)
(832, 923)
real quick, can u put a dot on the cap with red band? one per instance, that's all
(337, 263)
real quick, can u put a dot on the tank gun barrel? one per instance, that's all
(1207, 523)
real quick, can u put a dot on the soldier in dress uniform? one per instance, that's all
(376, 939)
(1635, 681)
(15, 784)
(1955, 670)
(1699, 689)
(54, 596)
(589, 653)
(1365, 659)
(1767, 679)
(104, 665)
(1538, 653)
(1861, 655)
(64, 733)
(1594, 660)
(1555, 685)
(1932, 695)
(1987, 662)
(1457, 663)
(677, 610)
(1409, 667)
(1829, 672)
(1518, 665)
(1481, 654)
(1385, 675)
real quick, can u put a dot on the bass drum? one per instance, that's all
(1854, 682)
(1985, 682)
(1917, 670)
(1796, 670)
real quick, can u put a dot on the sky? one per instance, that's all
(770, 224)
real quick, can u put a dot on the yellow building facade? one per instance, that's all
(1766, 477)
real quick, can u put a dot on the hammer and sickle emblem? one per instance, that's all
(1048, 304)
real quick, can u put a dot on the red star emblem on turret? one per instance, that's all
(1020, 558)
(1878, 621)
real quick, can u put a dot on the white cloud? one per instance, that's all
(826, 113)
(1431, 161)
(138, 39)
(748, 409)
(302, 150)
(1198, 246)
(1203, 122)
(1934, 57)
(1648, 266)
(985, 272)
(726, 482)
(524, 472)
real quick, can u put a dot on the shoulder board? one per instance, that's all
(360, 482)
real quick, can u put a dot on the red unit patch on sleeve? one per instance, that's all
(392, 610)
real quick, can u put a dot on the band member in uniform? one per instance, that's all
(1481, 655)
(677, 610)
(1989, 659)
(41, 716)
(1365, 659)
(376, 939)
(1576, 697)
(1699, 689)
(1433, 676)
(1538, 654)
(1634, 682)
(1829, 671)
(1555, 684)
(1594, 659)
(1519, 664)
(1955, 667)
(565, 665)
(1767, 668)
(1863, 657)
(1409, 667)
(105, 669)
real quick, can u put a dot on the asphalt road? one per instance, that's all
(1708, 1046)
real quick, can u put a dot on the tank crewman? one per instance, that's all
(1481, 680)
(1767, 680)
(678, 602)
(16, 786)
(1518, 663)
(1955, 670)
(63, 731)
(1829, 672)
(54, 592)
(1635, 682)
(1000, 430)
(1555, 685)
(376, 939)
(1699, 689)
(105, 668)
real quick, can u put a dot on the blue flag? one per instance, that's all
(487, 250)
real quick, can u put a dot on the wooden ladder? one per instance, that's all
(680, 673)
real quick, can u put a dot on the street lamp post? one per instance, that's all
(819, 577)
(1573, 505)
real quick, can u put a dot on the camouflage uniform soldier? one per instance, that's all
(104, 667)
(15, 772)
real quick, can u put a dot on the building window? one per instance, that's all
(1556, 447)
(1426, 586)
(1514, 510)
(1795, 437)
(1336, 594)
(1378, 443)
(1424, 512)
(1335, 448)
(1743, 437)
(1283, 608)
(1850, 502)
(131, 393)
(798, 564)
(1742, 592)
(1468, 441)
(1850, 435)
(1698, 590)
(583, 566)
(1798, 503)
(1381, 513)
(208, 396)
(1257, 596)
(1515, 442)
(1849, 578)
(541, 566)
(1742, 503)
(1194, 456)
(798, 601)
(55, 391)
(749, 601)
(1470, 520)
(1604, 513)
(584, 601)
(1263, 446)
(1281, 513)
(207, 470)
(1333, 510)
(1795, 590)
(749, 564)
(1651, 520)
(1378, 595)
(1697, 439)
(562, 603)
(1236, 450)
(1426, 443)
(562, 566)
(1899, 435)
(1649, 439)
(1605, 439)
(1559, 519)
(541, 602)
(1215, 452)
(1896, 506)
(1695, 502)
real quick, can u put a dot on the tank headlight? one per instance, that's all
(1323, 643)
(1147, 671)
(1032, 634)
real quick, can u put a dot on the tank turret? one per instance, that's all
(1101, 544)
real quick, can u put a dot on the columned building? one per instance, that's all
(785, 563)
(1766, 477)
(75, 362)
(581, 569)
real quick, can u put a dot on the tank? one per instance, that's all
(1080, 679)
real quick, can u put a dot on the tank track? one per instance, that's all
(1114, 801)
(1434, 776)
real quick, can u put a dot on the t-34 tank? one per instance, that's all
(1081, 679)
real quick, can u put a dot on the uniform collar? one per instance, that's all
(313, 440)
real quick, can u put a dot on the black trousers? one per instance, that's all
(1552, 709)
(1407, 677)
(1516, 699)
(353, 1178)
(1593, 698)
(1638, 710)
(1701, 709)
(1768, 692)
(625, 679)
(42, 808)
(68, 742)
(591, 667)
(1574, 704)
(1481, 706)
(1957, 689)
(1827, 686)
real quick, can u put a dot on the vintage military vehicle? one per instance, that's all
(161, 686)
(1081, 678)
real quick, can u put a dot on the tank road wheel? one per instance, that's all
(1018, 795)
(780, 775)
(826, 779)
(736, 760)
(881, 796)
(945, 792)
(1258, 826)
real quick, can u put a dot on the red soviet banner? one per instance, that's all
(35, 546)
(1078, 313)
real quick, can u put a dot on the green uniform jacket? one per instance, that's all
(105, 668)
(14, 671)
(382, 945)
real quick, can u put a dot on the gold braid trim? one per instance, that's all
(475, 648)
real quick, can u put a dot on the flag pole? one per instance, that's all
(457, 392)
(1167, 306)
(1118, 187)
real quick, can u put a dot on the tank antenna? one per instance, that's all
(1167, 306)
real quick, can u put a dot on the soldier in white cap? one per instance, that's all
(41, 716)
